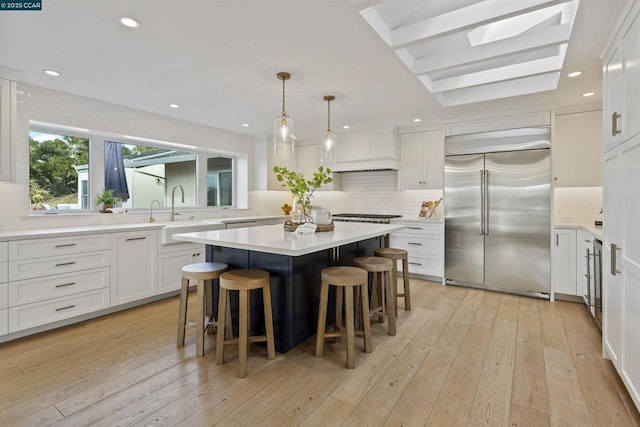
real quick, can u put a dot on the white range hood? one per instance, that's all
(365, 165)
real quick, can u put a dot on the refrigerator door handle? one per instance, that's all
(482, 207)
(486, 202)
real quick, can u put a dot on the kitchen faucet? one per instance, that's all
(173, 201)
(151, 218)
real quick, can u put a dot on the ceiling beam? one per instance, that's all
(532, 40)
(516, 87)
(494, 75)
(467, 18)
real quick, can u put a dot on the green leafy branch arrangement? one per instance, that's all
(302, 188)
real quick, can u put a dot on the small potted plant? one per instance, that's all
(302, 189)
(107, 199)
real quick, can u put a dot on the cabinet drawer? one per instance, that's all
(39, 248)
(4, 251)
(4, 322)
(418, 245)
(429, 265)
(29, 269)
(421, 229)
(40, 313)
(4, 295)
(28, 291)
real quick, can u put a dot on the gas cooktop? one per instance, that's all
(354, 217)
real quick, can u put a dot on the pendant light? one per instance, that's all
(328, 138)
(283, 137)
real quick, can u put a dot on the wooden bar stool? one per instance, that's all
(382, 269)
(396, 255)
(344, 278)
(244, 281)
(198, 272)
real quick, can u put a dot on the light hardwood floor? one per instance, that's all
(461, 357)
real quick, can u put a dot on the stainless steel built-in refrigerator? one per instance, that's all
(498, 210)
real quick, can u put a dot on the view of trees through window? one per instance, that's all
(53, 171)
(138, 174)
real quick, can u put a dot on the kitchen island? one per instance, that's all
(294, 262)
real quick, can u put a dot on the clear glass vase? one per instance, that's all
(301, 212)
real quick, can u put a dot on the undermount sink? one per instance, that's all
(190, 226)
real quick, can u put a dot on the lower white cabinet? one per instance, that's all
(52, 310)
(133, 266)
(170, 267)
(424, 243)
(4, 296)
(565, 262)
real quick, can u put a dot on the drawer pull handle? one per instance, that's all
(62, 285)
(62, 264)
(135, 238)
(415, 244)
(415, 263)
(66, 245)
(65, 308)
(414, 228)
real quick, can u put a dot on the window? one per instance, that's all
(219, 181)
(138, 170)
(58, 171)
(150, 173)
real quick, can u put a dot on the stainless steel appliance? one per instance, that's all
(372, 218)
(497, 199)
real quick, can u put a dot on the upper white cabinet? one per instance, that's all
(421, 160)
(308, 162)
(622, 83)
(367, 150)
(265, 159)
(7, 126)
(133, 266)
(578, 141)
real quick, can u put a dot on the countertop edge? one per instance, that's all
(202, 237)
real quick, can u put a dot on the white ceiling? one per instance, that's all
(218, 60)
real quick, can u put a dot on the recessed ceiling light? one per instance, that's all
(345, 127)
(575, 74)
(417, 120)
(174, 106)
(245, 125)
(588, 94)
(129, 22)
(53, 73)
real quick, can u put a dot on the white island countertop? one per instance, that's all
(273, 239)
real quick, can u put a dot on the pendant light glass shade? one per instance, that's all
(283, 136)
(328, 139)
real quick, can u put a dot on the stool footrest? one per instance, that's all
(253, 338)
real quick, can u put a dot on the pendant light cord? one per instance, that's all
(328, 115)
(284, 113)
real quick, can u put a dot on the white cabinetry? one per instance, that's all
(621, 246)
(421, 160)
(53, 279)
(565, 262)
(308, 163)
(133, 266)
(578, 140)
(367, 150)
(622, 83)
(424, 243)
(4, 291)
(170, 264)
(7, 126)
(621, 261)
(287, 159)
